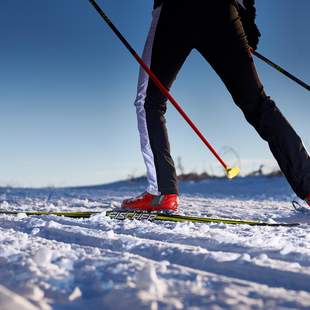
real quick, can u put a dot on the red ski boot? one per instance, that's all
(149, 202)
(308, 200)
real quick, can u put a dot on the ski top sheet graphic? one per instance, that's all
(134, 215)
(148, 216)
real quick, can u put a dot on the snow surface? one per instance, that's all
(52, 262)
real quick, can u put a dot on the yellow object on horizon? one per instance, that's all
(232, 172)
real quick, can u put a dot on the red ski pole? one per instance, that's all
(231, 172)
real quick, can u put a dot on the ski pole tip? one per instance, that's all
(232, 172)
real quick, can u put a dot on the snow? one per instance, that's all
(10, 300)
(53, 262)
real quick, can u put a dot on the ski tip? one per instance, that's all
(232, 172)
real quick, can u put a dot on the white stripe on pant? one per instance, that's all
(139, 103)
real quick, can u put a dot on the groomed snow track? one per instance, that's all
(99, 263)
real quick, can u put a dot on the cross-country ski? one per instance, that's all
(148, 216)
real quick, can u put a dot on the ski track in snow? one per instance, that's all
(53, 262)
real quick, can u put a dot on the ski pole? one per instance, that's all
(281, 70)
(231, 172)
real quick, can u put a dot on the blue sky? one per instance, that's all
(67, 87)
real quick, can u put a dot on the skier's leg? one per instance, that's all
(165, 52)
(229, 56)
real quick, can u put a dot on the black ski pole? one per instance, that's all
(283, 71)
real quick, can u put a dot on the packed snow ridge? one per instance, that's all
(53, 262)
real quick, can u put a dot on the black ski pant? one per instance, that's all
(215, 30)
